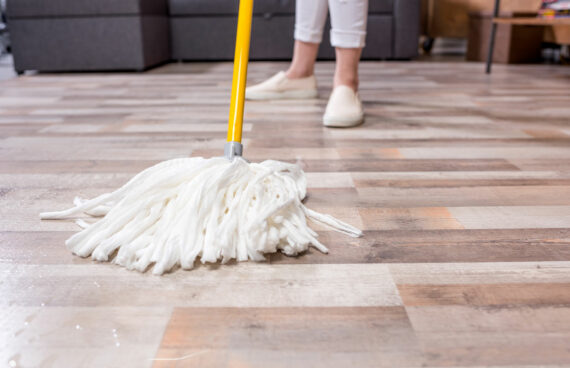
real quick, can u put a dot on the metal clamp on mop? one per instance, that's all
(213, 209)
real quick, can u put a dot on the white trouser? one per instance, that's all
(348, 21)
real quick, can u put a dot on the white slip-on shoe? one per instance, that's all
(344, 108)
(281, 87)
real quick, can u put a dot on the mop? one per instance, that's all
(220, 208)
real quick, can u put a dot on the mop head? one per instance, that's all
(211, 209)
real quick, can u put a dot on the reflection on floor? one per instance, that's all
(460, 180)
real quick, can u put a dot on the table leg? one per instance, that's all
(492, 38)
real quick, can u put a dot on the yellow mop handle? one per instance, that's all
(240, 70)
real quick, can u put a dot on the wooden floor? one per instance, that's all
(461, 182)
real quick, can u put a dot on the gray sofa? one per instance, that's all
(85, 35)
(90, 35)
(205, 30)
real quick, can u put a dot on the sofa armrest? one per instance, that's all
(406, 28)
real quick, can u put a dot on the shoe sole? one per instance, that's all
(285, 95)
(334, 122)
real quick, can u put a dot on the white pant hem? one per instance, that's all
(349, 40)
(306, 35)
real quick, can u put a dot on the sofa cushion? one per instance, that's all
(270, 38)
(55, 8)
(229, 7)
(89, 43)
(381, 6)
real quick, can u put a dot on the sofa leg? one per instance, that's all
(427, 44)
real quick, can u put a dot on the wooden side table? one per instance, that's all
(527, 21)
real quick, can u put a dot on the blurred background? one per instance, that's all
(135, 35)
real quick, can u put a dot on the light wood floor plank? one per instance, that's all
(88, 284)
(77, 336)
(316, 337)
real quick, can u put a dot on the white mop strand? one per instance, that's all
(211, 209)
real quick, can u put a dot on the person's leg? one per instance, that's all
(348, 33)
(303, 63)
(348, 20)
(298, 82)
(346, 70)
(310, 17)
